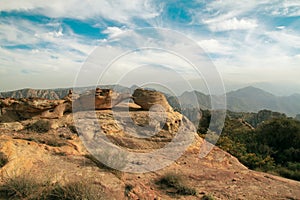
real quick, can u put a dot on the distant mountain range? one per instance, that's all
(254, 99)
(57, 93)
(248, 99)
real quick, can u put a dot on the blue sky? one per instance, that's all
(43, 45)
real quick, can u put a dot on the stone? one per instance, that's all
(148, 99)
(99, 100)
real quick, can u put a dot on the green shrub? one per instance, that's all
(175, 182)
(288, 173)
(26, 187)
(40, 126)
(20, 187)
(3, 159)
(128, 188)
(75, 191)
(171, 180)
(73, 129)
(207, 197)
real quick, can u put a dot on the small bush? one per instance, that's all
(287, 173)
(175, 182)
(40, 126)
(128, 188)
(73, 129)
(20, 187)
(207, 197)
(3, 159)
(26, 187)
(75, 191)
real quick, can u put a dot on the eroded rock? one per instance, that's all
(99, 100)
(148, 99)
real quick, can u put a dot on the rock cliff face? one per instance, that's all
(59, 155)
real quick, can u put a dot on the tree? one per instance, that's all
(283, 137)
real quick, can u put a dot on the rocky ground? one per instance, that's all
(50, 151)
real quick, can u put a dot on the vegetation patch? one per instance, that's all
(40, 126)
(26, 187)
(207, 197)
(75, 191)
(20, 187)
(73, 129)
(128, 189)
(273, 146)
(174, 185)
(3, 159)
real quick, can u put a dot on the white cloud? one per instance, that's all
(113, 31)
(118, 10)
(215, 46)
(261, 51)
(285, 38)
(280, 27)
(52, 53)
(233, 24)
(260, 62)
(285, 8)
(230, 8)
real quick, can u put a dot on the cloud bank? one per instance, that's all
(249, 42)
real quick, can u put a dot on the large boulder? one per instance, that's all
(149, 99)
(100, 99)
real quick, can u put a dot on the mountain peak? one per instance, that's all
(250, 90)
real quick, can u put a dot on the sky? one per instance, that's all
(46, 45)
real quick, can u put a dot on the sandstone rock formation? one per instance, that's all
(149, 99)
(98, 100)
(21, 109)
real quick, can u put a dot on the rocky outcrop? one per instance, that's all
(21, 109)
(59, 156)
(99, 100)
(149, 99)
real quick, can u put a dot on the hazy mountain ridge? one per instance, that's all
(250, 99)
(41, 93)
(57, 93)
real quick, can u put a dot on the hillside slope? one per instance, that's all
(56, 154)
